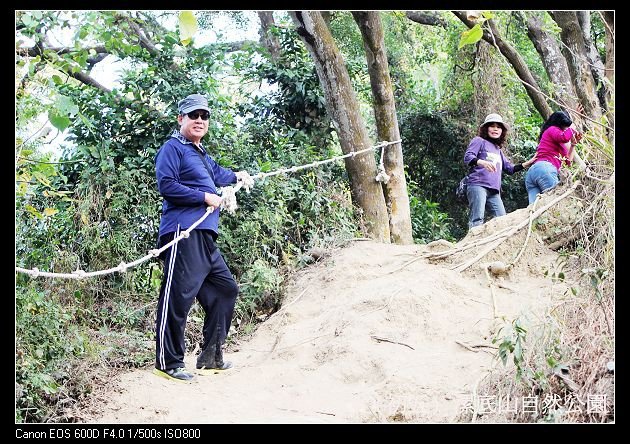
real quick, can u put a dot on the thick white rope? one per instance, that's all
(382, 176)
(122, 267)
(322, 162)
(228, 202)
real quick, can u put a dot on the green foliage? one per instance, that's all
(471, 36)
(427, 222)
(434, 149)
(474, 34)
(46, 341)
(295, 105)
(511, 339)
(266, 114)
(259, 288)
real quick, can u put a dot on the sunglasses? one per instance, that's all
(194, 115)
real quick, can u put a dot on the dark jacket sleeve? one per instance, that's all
(222, 176)
(167, 168)
(508, 167)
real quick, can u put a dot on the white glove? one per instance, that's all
(245, 178)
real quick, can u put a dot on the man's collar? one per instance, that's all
(179, 136)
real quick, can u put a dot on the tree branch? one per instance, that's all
(39, 50)
(520, 67)
(142, 38)
(426, 18)
(86, 79)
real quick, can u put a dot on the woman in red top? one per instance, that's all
(557, 140)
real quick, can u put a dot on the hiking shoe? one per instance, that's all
(178, 374)
(224, 366)
(211, 358)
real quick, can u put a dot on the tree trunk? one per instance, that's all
(489, 94)
(594, 60)
(553, 60)
(574, 52)
(517, 62)
(387, 126)
(343, 107)
(609, 24)
(267, 39)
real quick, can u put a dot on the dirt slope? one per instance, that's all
(365, 335)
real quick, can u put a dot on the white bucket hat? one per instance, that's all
(494, 118)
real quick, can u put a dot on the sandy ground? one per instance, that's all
(367, 334)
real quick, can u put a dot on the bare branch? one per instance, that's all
(94, 60)
(143, 39)
(86, 79)
(425, 18)
(39, 50)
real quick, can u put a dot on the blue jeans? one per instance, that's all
(540, 177)
(480, 199)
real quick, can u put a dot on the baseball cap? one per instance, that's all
(192, 103)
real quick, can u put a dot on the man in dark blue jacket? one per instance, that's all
(187, 179)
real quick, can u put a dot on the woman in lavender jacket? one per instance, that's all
(486, 160)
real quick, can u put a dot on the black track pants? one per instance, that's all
(193, 268)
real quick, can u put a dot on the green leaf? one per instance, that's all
(85, 121)
(61, 122)
(41, 178)
(57, 79)
(170, 39)
(187, 26)
(518, 352)
(31, 209)
(65, 105)
(27, 20)
(473, 35)
(50, 211)
(265, 167)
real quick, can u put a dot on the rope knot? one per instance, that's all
(382, 176)
(79, 273)
(155, 252)
(122, 267)
(35, 272)
(245, 179)
(185, 234)
(228, 202)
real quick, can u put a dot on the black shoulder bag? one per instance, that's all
(462, 186)
(205, 162)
